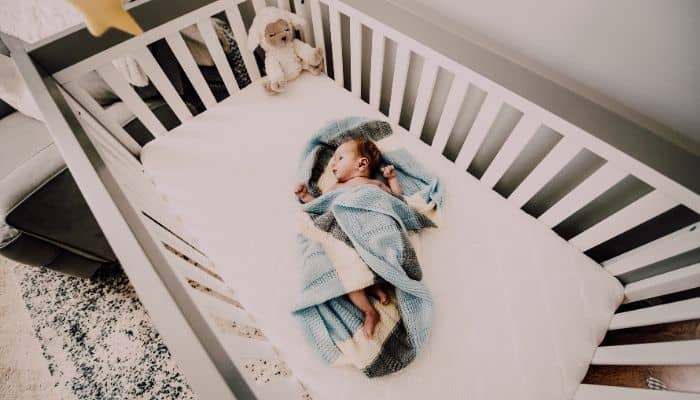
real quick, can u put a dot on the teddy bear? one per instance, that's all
(285, 56)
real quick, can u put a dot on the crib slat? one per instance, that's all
(209, 296)
(425, 94)
(672, 312)
(302, 11)
(597, 392)
(595, 185)
(259, 5)
(336, 44)
(122, 88)
(356, 57)
(96, 110)
(111, 157)
(514, 145)
(455, 98)
(135, 179)
(99, 134)
(643, 209)
(144, 197)
(235, 20)
(377, 65)
(681, 352)
(190, 271)
(482, 124)
(659, 285)
(158, 212)
(189, 65)
(283, 4)
(217, 53)
(163, 84)
(552, 163)
(398, 86)
(180, 242)
(317, 21)
(668, 246)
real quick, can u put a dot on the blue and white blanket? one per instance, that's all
(353, 238)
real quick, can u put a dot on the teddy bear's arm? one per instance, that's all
(308, 54)
(274, 70)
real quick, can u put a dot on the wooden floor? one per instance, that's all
(676, 378)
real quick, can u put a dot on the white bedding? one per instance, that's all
(518, 311)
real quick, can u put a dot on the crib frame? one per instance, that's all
(169, 272)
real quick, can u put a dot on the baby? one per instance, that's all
(353, 164)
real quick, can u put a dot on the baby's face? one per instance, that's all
(346, 161)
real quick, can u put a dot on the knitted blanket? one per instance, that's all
(353, 238)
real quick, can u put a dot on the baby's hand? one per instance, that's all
(300, 190)
(389, 172)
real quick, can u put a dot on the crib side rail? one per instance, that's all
(168, 307)
(658, 226)
(519, 134)
(604, 206)
(218, 346)
(173, 37)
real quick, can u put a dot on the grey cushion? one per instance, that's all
(8, 234)
(5, 109)
(28, 159)
(3, 49)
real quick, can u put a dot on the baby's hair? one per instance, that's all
(366, 148)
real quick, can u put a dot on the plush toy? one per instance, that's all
(285, 56)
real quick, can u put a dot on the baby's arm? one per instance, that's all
(389, 173)
(302, 192)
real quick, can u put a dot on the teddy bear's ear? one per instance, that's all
(254, 35)
(296, 21)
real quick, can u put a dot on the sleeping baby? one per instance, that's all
(353, 164)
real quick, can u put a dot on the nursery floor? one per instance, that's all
(70, 338)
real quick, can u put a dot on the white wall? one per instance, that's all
(638, 57)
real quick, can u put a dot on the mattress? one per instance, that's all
(518, 312)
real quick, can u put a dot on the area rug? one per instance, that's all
(24, 373)
(96, 337)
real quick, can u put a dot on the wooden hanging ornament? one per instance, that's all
(100, 15)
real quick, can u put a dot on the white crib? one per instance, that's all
(375, 46)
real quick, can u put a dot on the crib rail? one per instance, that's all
(564, 160)
(665, 264)
(219, 347)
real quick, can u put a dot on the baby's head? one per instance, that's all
(355, 157)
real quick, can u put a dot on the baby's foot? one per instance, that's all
(380, 294)
(371, 319)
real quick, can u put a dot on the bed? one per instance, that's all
(549, 305)
(519, 311)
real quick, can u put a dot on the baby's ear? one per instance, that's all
(362, 163)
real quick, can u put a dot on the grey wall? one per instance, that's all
(638, 57)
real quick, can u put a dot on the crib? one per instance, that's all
(167, 211)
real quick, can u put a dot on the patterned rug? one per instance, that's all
(24, 373)
(97, 338)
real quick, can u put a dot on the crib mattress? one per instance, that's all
(518, 312)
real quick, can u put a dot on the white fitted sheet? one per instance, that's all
(518, 311)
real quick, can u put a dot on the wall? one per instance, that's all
(640, 58)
